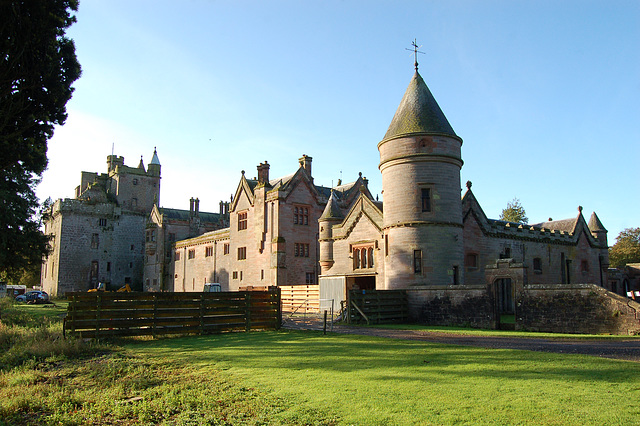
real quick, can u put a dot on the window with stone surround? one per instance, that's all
(242, 253)
(471, 260)
(102, 222)
(300, 215)
(301, 250)
(95, 241)
(208, 251)
(425, 199)
(177, 256)
(226, 248)
(191, 254)
(310, 278)
(242, 221)
(235, 275)
(417, 261)
(363, 257)
(537, 265)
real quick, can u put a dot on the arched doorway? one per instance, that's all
(506, 308)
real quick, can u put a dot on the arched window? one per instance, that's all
(370, 250)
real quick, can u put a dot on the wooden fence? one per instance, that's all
(377, 306)
(104, 314)
(295, 298)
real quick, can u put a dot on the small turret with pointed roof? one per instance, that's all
(154, 166)
(141, 164)
(597, 229)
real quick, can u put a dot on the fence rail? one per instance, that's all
(377, 306)
(295, 298)
(104, 314)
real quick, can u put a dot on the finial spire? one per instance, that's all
(414, 43)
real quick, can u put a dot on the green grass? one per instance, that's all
(367, 380)
(501, 333)
(297, 377)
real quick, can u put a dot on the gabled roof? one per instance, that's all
(363, 207)
(565, 231)
(418, 113)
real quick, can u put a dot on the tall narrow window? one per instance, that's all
(370, 256)
(426, 199)
(386, 244)
(456, 277)
(95, 241)
(242, 253)
(417, 261)
(242, 221)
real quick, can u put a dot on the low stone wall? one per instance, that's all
(463, 305)
(575, 308)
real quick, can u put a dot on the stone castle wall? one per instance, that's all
(578, 308)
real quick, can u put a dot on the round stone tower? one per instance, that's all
(420, 162)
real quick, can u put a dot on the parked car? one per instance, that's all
(34, 296)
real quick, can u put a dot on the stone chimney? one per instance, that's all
(305, 162)
(263, 173)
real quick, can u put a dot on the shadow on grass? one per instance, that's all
(311, 351)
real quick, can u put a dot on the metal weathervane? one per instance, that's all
(415, 52)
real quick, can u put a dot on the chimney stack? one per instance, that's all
(263, 173)
(305, 162)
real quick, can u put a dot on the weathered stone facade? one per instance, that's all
(272, 238)
(457, 265)
(166, 226)
(99, 235)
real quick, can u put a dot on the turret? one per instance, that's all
(153, 169)
(420, 162)
(330, 216)
(598, 230)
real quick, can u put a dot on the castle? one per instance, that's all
(98, 236)
(423, 238)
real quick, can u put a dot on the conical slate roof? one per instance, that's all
(331, 211)
(418, 113)
(595, 224)
(155, 159)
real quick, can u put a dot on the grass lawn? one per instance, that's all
(296, 377)
(367, 380)
(502, 333)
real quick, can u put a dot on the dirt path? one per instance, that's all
(617, 349)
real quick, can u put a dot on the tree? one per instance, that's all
(514, 212)
(626, 249)
(38, 64)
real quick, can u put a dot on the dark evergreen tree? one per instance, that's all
(38, 65)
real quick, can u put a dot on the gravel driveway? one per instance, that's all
(617, 349)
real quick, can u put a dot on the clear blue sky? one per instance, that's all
(545, 95)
